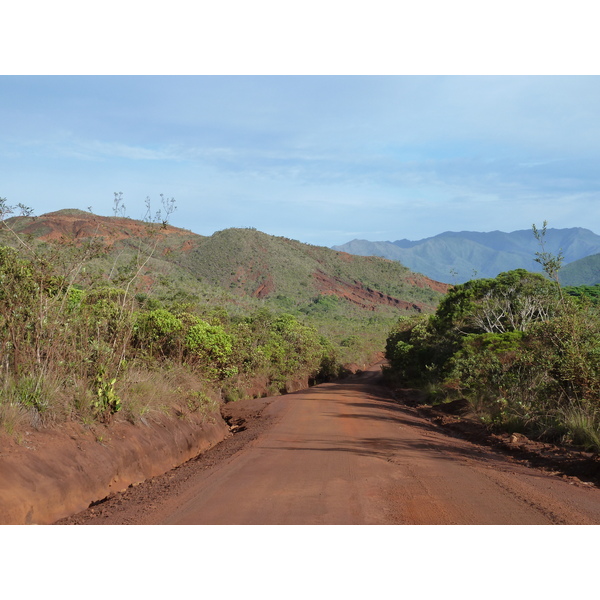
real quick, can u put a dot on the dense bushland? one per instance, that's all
(83, 343)
(589, 292)
(525, 355)
(88, 353)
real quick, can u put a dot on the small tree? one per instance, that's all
(509, 302)
(551, 263)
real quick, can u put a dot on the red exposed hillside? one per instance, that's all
(265, 288)
(421, 281)
(78, 225)
(415, 279)
(358, 294)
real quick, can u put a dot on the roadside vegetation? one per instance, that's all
(75, 348)
(522, 351)
(93, 329)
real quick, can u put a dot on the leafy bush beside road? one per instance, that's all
(525, 356)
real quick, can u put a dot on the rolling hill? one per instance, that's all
(235, 266)
(585, 271)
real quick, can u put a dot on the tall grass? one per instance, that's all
(582, 425)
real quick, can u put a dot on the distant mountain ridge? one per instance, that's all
(456, 257)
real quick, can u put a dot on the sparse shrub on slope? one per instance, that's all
(54, 336)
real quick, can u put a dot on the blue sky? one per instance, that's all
(321, 159)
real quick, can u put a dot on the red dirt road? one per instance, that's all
(347, 453)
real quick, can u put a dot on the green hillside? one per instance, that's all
(585, 271)
(255, 264)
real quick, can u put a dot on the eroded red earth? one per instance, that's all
(360, 295)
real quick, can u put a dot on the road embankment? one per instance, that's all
(58, 472)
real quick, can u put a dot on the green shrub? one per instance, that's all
(210, 347)
(107, 402)
(510, 302)
(158, 331)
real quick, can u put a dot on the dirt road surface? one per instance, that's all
(348, 453)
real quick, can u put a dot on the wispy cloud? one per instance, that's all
(314, 155)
